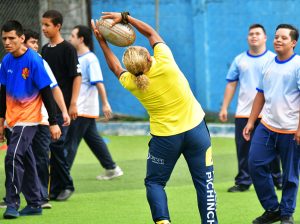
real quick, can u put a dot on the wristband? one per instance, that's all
(125, 17)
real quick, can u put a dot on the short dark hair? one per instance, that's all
(30, 34)
(257, 25)
(294, 33)
(13, 25)
(86, 33)
(55, 16)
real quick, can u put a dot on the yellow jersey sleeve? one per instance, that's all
(162, 52)
(127, 80)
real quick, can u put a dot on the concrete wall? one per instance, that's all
(74, 12)
(30, 12)
(204, 35)
(25, 12)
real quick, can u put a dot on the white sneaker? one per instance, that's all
(46, 205)
(3, 204)
(110, 174)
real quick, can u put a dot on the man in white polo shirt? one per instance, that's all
(245, 70)
(88, 106)
(279, 130)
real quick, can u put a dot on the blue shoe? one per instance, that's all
(29, 210)
(11, 213)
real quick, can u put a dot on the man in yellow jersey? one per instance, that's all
(176, 118)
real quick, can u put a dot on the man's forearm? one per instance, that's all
(59, 99)
(146, 30)
(111, 59)
(102, 93)
(229, 93)
(141, 26)
(2, 121)
(49, 103)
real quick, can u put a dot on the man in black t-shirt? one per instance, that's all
(62, 58)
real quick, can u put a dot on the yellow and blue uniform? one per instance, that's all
(23, 77)
(280, 85)
(169, 100)
(177, 127)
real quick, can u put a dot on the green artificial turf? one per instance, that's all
(123, 200)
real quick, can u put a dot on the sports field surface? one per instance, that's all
(123, 200)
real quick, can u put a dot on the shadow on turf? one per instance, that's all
(84, 176)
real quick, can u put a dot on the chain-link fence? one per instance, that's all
(25, 11)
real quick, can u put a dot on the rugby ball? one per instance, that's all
(121, 35)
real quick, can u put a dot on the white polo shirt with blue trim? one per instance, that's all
(280, 84)
(88, 102)
(247, 70)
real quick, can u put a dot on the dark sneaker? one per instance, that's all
(11, 213)
(268, 217)
(29, 210)
(238, 188)
(64, 195)
(287, 220)
(278, 186)
(52, 196)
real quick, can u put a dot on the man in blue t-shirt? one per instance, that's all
(24, 86)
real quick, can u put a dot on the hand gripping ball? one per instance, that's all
(121, 35)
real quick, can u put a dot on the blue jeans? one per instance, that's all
(265, 146)
(164, 152)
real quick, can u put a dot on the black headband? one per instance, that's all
(139, 74)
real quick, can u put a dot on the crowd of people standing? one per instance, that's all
(49, 103)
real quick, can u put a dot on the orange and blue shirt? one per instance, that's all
(23, 77)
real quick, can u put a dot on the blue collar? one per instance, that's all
(256, 56)
(284, 61)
